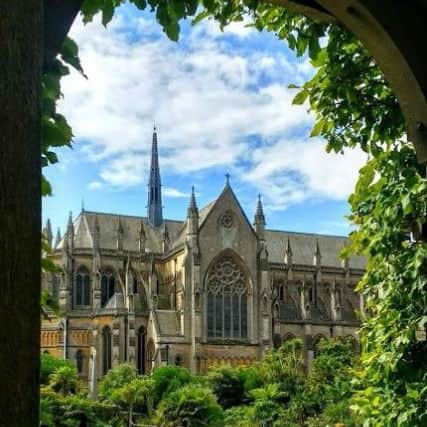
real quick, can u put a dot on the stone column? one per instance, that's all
(116, 342)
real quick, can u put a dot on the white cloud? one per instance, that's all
(293, 170)
(95, 185)
(174, 193)
(213, 105)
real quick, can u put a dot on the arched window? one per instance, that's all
(108, 285)
(79, 361)
(106, 349)
(226, 300)
(141, 350)
(150, 355)
(56, 280)
(82, 288)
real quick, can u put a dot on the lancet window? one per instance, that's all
(82, 289)
(107, 349)
(108, 285)
(226, 300)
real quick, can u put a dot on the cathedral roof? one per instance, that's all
(304, 246)
(84, 227)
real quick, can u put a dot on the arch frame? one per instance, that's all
(250, 295)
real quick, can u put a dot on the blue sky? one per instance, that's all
(221, 105)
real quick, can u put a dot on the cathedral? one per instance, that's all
(213, 288)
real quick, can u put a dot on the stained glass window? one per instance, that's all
(226, 301)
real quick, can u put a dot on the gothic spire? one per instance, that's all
(288, 252)
(70, 225)
(259, 220)
(58, 237)
(48, 232)
(317, 255)
(193, 205)
(259, 213)
(155, 214)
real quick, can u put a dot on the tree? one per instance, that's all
(49, 364)
(20, 207)
(190, 406)
(227, 383)
(116, 378)
(168, 379)
(137, 392)
(64, 380)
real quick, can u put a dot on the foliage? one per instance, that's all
(138, 393)
(354, 107)
(190, 406)
(168, 379)
(116, 378)
(285, 366)
(49, 364)
(73, 411)
(65, 380)
(227, 383)
(238, 416)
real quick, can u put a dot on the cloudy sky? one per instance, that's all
(221, 105)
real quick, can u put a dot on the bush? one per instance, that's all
(116, 378)
(228, 385)
(65, 380)
(190, 406)
(49, 364)
(238, 416)
(168, 379)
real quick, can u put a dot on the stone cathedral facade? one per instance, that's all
(213, 288)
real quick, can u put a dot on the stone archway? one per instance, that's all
(395, 36)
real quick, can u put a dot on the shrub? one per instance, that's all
(238, 416)
(190, 406)
(115, 378)
(49, 364)
(228, 385)
(168, 379)
(65, 380)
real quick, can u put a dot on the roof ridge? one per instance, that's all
(307, 234)
(126, 216)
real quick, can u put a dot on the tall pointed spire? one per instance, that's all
(259, 220)
(193, 205)
(155, 210)
(47, 231)
(58, 237)
(192, 215)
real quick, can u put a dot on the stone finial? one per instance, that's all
(70, 225)
(96, 232)
(288, 252)
(192, 207)
(166, 239)
(192, 215)
(120, 233)
(259, 220)
(47, 231)
(58, 237)
(317, 259)
(142, 238)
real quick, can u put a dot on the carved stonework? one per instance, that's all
(226, 219)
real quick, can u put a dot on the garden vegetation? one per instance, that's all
(278, 391)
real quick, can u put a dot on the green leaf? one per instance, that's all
(300, 97)
(317, 128)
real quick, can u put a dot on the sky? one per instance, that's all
(221, 104)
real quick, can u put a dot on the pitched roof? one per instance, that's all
(303, 246)
(168, 322)
(84, 226)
